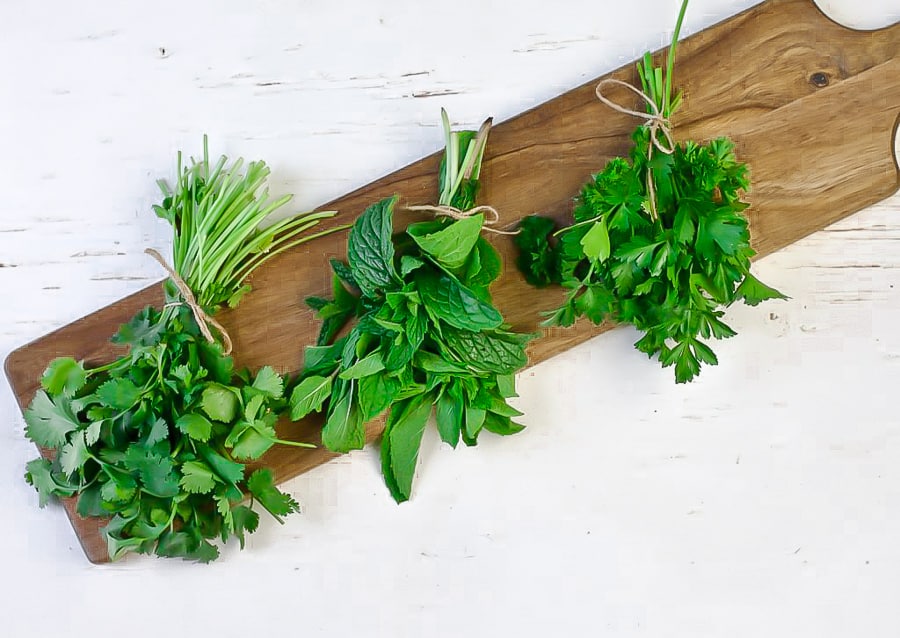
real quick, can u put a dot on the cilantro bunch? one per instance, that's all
(426, 338)
(157, 440)
(667, 269)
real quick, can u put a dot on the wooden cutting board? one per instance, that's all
(812, 106)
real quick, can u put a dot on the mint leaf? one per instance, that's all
(501, 353)
(501, 425)
(455, 304)
(343, 430)
(449, 412)
(370, 249)
(375, 394)
(309, 396)
(451, 245)
(364, 367)
(400, 444)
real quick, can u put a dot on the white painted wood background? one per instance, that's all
(761, 500)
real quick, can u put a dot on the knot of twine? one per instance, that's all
(491, 215)
(655, 123)
(204, 320)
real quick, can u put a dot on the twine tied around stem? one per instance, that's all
(491, 215)
(204, 320)
(655, 122)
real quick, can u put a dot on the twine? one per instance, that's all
(491, 215)
(204, 320)
(655, 123)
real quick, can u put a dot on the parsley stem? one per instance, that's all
(581, 223)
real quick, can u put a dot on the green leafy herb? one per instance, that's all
(157, 440)
(427, 338)
(671, 273)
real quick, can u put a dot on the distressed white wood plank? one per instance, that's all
(760, 500)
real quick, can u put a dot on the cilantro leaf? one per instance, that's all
(269, 381)
(195, 426)
(48, 483)
(119, 394)
(249, 442)
(244, 520)
(197, 477)
(64, 376)
(48, 422)
(220, 403)
(262, 486)
(73, 454)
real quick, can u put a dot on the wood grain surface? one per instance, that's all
(811, 105)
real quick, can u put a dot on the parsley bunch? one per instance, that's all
(427, 337)
(157, 439)
(668, 274)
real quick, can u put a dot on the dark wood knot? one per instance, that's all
(819, 79)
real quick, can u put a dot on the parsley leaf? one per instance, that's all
(669, 273)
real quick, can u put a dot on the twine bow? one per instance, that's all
(655, 122)
(204, 320)
(491, 215)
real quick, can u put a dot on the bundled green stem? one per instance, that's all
(157, 440)
(658, 240)
(426, 339)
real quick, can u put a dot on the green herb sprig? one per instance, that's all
(427, 338)
(670, 274)
(157, 440)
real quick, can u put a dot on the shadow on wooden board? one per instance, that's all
(812, 106)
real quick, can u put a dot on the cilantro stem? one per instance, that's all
(292, 443)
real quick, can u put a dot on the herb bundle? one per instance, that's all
(157, 439)
(427, 337)
(659, 240)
